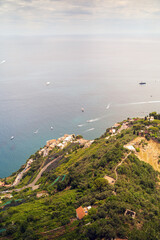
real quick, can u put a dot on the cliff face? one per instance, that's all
(149, 151)
(116, 191)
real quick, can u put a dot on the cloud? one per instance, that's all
(68, 14)
(77, 11)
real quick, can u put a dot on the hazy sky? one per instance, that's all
(79, 17)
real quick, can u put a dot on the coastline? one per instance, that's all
(62, 143)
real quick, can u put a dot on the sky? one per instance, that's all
(69, 17)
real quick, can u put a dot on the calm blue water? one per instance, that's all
(85, 73)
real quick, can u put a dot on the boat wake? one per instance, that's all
(80, 125)
(108, 106)
(154, 101)
(90, 129)
(138, 103)
(93, 120)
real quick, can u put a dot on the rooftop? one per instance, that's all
(80, 212)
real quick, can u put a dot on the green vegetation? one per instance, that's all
(76, 179)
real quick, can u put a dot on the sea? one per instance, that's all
(45, 81)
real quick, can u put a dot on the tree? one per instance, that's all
(154, 114)
(79, 136)
(100, 183)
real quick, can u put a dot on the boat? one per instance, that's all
(36, 131)
(51, 128)
(3, 61)
(82, 109)
(108, 106)
(12, 137)
(142, 83)
(47, 83)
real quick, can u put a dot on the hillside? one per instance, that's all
(112, 182)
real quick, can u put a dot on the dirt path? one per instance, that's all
(119, 165)
(112, 180)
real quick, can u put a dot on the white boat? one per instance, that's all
(3, 61)
(51, 128)
(36, 131)
(12, 137)
(82, 109)
(108, 106)
(47, 83)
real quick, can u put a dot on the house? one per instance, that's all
(49, 142)
(80, 213)
(112, 130)
(60, 145)
(151, 118)
(116, 125)
(68, 138)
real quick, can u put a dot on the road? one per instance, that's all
(33, 184)
(20, 175)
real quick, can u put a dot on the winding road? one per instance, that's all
(33, 184)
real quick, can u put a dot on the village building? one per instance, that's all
(116, 125)
(81, 212)
(112, 130)
(62, 143)
(49, 142)
(68, 138)
(151, 118)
